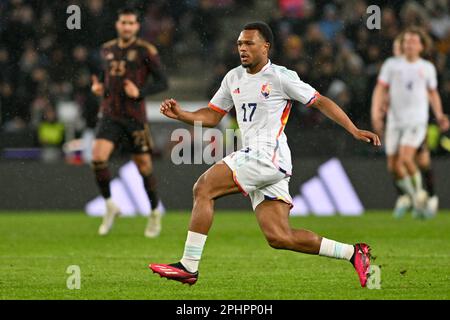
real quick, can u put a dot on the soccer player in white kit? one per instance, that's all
(261, 92)
(408, 83)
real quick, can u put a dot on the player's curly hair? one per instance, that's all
(425, 39)
(263, 29)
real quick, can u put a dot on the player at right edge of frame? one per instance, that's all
(407, 83)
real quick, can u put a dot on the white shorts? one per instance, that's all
(412, 136)
(256, 176)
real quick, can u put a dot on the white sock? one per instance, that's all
(334, 249)
(417, 178)
(155, 212)
(193, 250)
(406, 185)
(110, 204)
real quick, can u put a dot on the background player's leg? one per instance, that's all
(145, 166)
(273, 218)
(216, 182)
(101, 151)
(406, 159)
(423, 159)
(391, 161)
(403, 202)
(403, 181)
(411, 179)
(405, 168)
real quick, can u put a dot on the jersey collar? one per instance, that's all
(128, 46)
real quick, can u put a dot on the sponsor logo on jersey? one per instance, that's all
(236, 91)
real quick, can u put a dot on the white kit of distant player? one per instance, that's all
(407, 117)
(410, 83)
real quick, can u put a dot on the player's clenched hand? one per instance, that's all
(443, 122)
(131, 89)
(170, 108)
(368, 137)
(97, 87)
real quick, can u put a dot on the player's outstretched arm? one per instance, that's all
(378, 109)
(208, 117)
(335, 113)
(436, 105)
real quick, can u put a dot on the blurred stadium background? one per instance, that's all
(47, 113)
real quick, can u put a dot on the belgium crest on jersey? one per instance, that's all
(265, 90)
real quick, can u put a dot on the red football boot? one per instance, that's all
(361, 262)
(175, 271)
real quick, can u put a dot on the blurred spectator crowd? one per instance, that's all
(326, 42)
(42, 62)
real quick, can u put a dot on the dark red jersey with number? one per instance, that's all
(135, 62)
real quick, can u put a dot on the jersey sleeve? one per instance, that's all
(151, 56)
(385, 77)
(295, 89)
(432, 78)
(222, 101)
(157, 80)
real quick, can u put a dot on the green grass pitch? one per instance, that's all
(37, 248)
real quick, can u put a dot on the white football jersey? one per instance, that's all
(263, 102)
(408, 90)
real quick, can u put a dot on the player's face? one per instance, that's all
(127, 26)
(412, 45)
(252, 48)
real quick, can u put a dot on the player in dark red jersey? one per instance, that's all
(131, 70)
